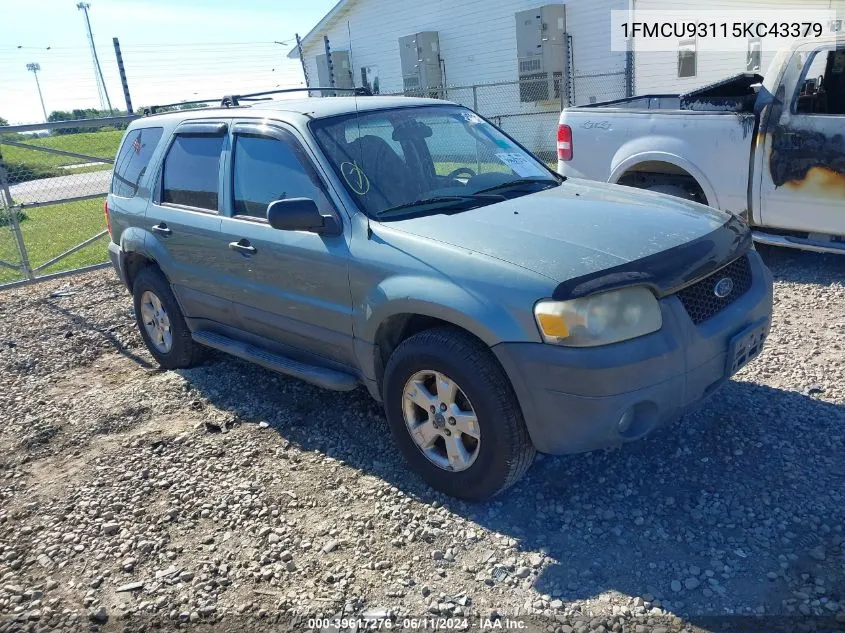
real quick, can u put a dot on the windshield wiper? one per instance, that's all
(521, 181)
(449, 201)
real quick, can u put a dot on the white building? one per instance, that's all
(481, 42)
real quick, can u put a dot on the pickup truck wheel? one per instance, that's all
(161, 323)
(453, 414)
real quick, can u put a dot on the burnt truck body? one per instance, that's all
(769, 148)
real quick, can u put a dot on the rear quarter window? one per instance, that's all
(133, 159)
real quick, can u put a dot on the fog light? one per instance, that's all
(626, 421)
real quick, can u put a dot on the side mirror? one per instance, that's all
(301, 214)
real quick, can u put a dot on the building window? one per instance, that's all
(755, 55)
(369, 78)
(686, 58)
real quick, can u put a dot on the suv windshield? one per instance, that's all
(430, 159)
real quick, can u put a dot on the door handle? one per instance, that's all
(243, 246)
(162, 229)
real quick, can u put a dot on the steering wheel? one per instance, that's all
(461, 171)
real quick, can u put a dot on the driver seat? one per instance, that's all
(389, 176)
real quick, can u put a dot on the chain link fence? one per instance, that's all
(587, 89)
(53, 182)
(529, 110)
(54, 176)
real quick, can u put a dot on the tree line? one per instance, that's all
(94, 113)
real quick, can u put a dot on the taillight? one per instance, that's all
(564, 142)
(106, 213)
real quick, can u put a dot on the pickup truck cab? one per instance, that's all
(769, 149)
(411, 247)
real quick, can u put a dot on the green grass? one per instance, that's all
(30, 164)
(51, 230)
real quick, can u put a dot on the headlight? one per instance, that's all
(599, 319)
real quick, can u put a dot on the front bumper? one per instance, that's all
(573, 399)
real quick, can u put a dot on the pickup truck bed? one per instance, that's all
(769, 149)
(716, 120)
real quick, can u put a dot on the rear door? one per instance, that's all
(291, 287)
(803, 164)
(184, 218)
(126, 207)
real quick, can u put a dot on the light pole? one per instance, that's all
(98, 73)
(34, 67)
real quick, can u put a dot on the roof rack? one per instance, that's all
(230, 101)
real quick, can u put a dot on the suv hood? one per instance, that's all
(595, 234)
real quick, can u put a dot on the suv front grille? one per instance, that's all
(701, 299)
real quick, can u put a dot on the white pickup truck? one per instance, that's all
(771, 150)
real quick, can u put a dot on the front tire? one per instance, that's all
(454, 416)
(161, 322)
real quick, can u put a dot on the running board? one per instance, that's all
(788, 241)
(320, 376)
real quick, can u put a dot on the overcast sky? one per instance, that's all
(173, 50)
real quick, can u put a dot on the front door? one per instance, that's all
(803, 165)
(288, 286)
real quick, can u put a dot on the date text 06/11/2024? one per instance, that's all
(430, 623)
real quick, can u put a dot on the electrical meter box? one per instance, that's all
(419, 55)
(541, 49)
(341, 67)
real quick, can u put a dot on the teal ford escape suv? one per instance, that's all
(408, 245)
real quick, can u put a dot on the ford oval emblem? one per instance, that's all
(723, 287)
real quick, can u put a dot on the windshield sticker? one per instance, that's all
(470, 117)
(503, 144)
(521, 164)
(355, 178)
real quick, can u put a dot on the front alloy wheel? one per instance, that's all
(441, 420)
(454, 415)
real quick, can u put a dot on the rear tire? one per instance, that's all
(486, 406)
(161, 322)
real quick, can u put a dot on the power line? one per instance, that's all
(210, 45)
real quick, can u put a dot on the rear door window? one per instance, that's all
(191, 171)
(133, 159)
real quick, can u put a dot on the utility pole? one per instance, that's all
(34, 67)
(122, 71)
(98, 72)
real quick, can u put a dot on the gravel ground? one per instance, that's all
(227, 496)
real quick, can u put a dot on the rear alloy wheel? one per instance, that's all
(454, 416)
(156, 322)
(161, 323)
